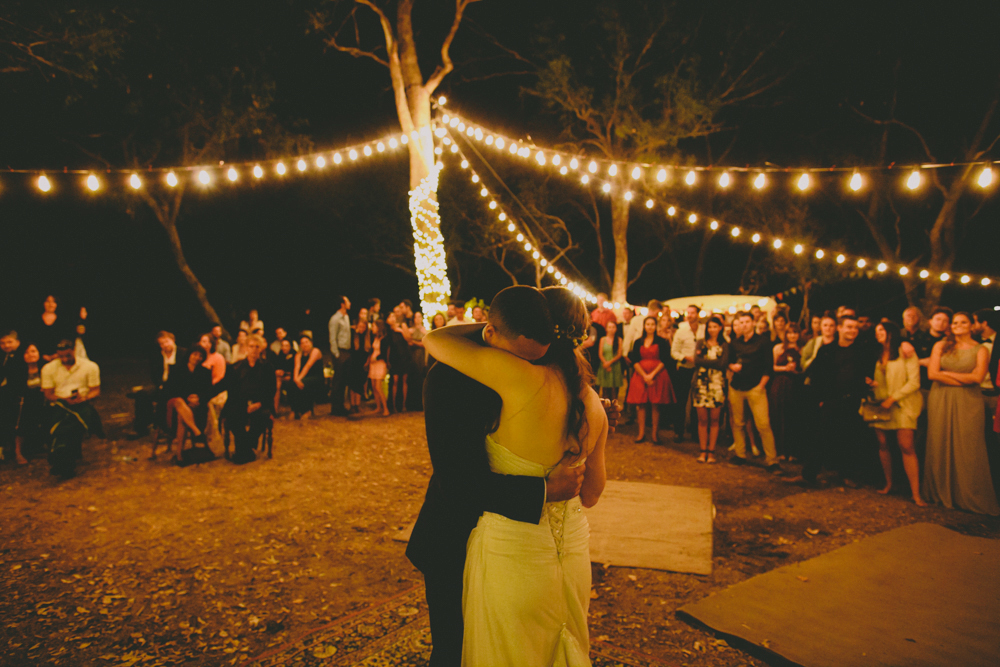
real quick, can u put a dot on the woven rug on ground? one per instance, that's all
(396, 632)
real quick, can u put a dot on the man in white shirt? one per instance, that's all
(682, 350)
(459, 317)
(69, 384)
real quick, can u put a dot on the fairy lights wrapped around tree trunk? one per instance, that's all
(428, 245)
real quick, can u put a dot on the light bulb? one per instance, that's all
(563, 170)
(540, 158)
(511, 227)
(499, 142)
(258, 172)
(965, 280)
(724, 180)
(882, 266)
(393, 143)
(689, 179)
(636, 173)
(985, 282)
(612, 170)
(320, 162)
(231, 174)
(585, 179)
(44, 184)
(862, 263)
(945, 277)
(714, 225)
(354, 154)
(985, 177)
(903, 270)
(760, 181)
(502, 217)
(493, 205)
(856, 182)
(820, 254)
(606, 187)
(442, 100)
(755, 238)
(628, 196)
(692, 218)
(649, 203)
(661, 175)
(453, 149)
(592, 167)
(776, 244)
(735, 231)
(925, 273)
(93, 183)
(475, 178)
(798, 249)
(913, 182)
(204, 177)
(483, 192)
(368, 151)
(135, 181)
(172, 179)
(280, 168)
(465, 164)
(404, 139)
(513, 149)
(803, 182)
(337, 159)
(556, 160)
(574, 163)
(841, 259)
(301, 164)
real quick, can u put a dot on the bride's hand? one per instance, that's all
(565, 480)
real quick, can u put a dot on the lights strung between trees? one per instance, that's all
(232, 175)
(258, 172)
(280, 168)
(205, 179)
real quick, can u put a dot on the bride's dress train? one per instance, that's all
(527, 586)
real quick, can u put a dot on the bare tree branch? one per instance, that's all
(446, 65)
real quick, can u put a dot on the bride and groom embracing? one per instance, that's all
(516, 438)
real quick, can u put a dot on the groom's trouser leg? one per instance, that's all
(444, 601)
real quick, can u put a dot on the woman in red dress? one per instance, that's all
(650, 383)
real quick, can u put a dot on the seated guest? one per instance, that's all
(222, 345)
(69, 384)
(251, 386)
(307, 378)
(12, 382)
(31, 413)
(188, 394)
(252, 324)
(284, 369)
(214, 361)
(239, 351)
(150, 404)
(279, 335)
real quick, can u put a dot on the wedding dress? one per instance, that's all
(527, 586)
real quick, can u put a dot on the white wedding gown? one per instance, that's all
(527, 586)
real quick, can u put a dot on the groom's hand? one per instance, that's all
(614, 413)
(564, 482)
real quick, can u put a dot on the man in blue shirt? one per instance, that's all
(340, 348)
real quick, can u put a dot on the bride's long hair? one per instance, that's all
(571, 323)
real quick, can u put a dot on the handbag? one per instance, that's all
(872, 411)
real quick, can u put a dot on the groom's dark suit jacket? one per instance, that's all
(459, 412)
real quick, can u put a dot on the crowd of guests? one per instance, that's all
(827, 396)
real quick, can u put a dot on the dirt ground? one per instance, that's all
(140, 562)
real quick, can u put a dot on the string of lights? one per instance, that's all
(96, 180)
(760, 177)
(428, 245)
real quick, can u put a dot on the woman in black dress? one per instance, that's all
(52, 328)
(307, 378)
(284, 369)
(400, 361)
(357, 365)
(189, 390)
(251, 385)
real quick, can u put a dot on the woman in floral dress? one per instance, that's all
(709, 395)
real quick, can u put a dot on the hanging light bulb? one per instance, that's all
(841, 259)
(798, 249)
(232, 175)
(475, 178)
(380, 147)
(714, 225)
(777, 244)
(649, 203)
(585, 179)
(204, 178)
(985, 282)
(442, 100)
(93, 183)
(760, 181)
(690, 178)
(735, 231)
(945, 277)
(540, 158)
(301, 164)
(661, 175)
(354, 154)
(606, 187)
(820, 254)
(862, 263)
(172, 179)
(44, 184)
(882, 266)
(563, 170)
(855, 182)
(965, 280)
(574, 163)
(135, 181)
(925, 273)
(671, 211)
(513, 149)
(337, 159)
(903, 271)
(612, 170)
(724, 180)
(280, 168)
(692, 218)
(913, 182)
(636, 173)
(755, 238)
(502, 217)
(321, 161)
(556, 160)
(803, 182)
(985, 177)
(393, 143)
(628, 196)
(592, 167)
(258, 172)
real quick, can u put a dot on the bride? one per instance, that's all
(527, 586)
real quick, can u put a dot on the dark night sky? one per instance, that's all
(280, 247)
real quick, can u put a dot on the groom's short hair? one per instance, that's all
(521, 311)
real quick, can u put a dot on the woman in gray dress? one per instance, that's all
(957, 470)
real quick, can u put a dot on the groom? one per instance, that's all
(459, 412)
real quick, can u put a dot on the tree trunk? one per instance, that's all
(619, 229)
(942, 242)
(199, 290)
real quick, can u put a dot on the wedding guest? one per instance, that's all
(251, 386)
(374, 310)
(53, 328)
(459, 313)
(783, 392)
(957, 470)
(252, 324)
(400, 362)
(307, 378)
(666, 329)
(377, 366)
(650, 385)
(437, 321)
(602, 315)
(756, 313)
(477, 314)
(751, 363)
(763, 328)
(896, 384)
(214, 361)
(239, 350)
(815, 330)
(635, 328)
(418, 367)
(708, 393)
(357, 366)
(609, 373)
(827, 334)
(32, 409)
(284, 370)
(682, 349)
(939, 326)
(988, 321)
(778, 327)
(151, 404)
(221, 345)
(281, 334)
(69, 385)
(188, 393)
(13, 379)
(340, 347)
